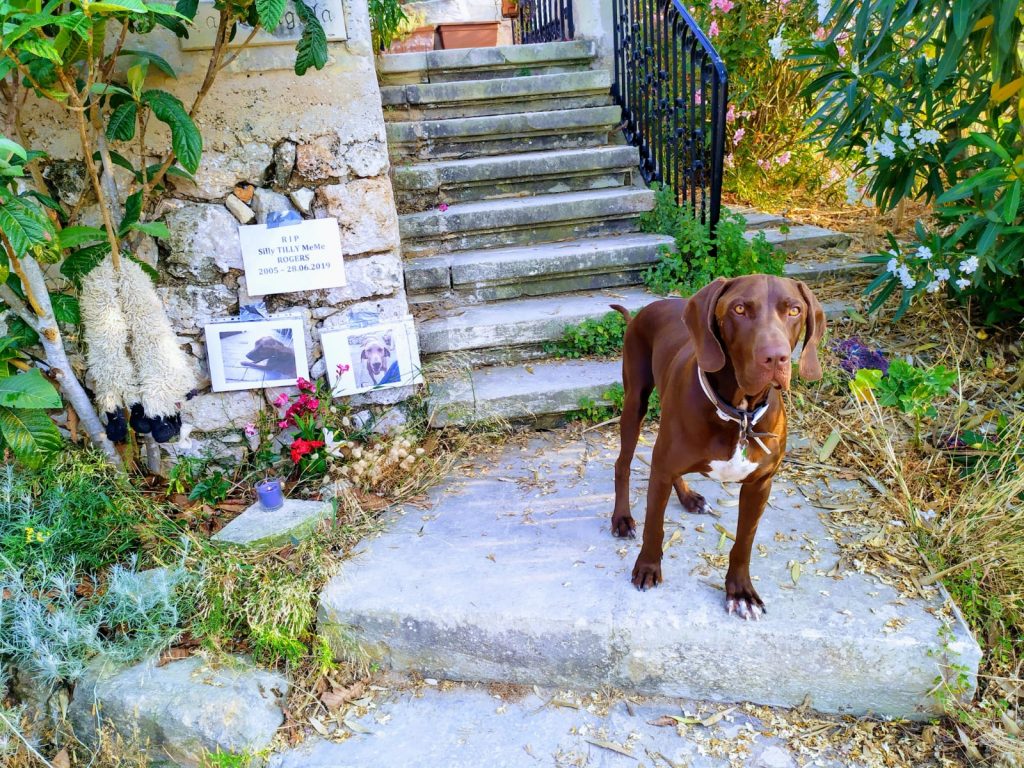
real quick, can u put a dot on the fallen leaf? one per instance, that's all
(675, 538)
(61, 760)
(335, 697)
(831, 443)
(318, 726)
(707, 722)
(355, 727)
(610, 746)
(173, 654)
(794, 572)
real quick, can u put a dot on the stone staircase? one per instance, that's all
(519, 205)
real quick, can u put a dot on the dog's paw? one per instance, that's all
(646, 575)
(624, 526)
(742, 599)
(696, 504)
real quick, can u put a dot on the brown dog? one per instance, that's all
(738, 336)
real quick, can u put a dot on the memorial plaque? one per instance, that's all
(204, 30)
(295, 257)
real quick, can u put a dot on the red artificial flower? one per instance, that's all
(305, 386)
(302, 447)
(343, 368)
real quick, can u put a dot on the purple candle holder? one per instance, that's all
(270, 494)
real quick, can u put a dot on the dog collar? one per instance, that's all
(747, 419)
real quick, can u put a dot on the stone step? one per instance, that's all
(527, 586)
(483, 63)
(523, 220)
(519, 321)
(464, 726)
(527, 322)
(534, 270)
(473, 98)
(501, 134)
(822, 269)
(426, 185)
(800, 237)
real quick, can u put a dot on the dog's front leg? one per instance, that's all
(647, 570)
(740, 595)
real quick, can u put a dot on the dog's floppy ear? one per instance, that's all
(363, 355)
(810, 367)
(699, 317)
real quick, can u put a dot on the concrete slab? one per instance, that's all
(466, 727)
(259, 528)
(513, 576)
(819, 270)
(801, 237)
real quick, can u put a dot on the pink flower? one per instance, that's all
(784, 158)
(283, 424)
(281, 400)
(722, 5)
(763, 164)
(730, 114)
(841, 49)
(820, 33)
(730, 161)
(738, 136)
(697, 98)
(713, 29)
(250, 430)
(343, 368)
(442, 207)
(305, 386)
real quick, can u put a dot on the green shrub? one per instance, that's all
(693, 265)
(591, 337)
(924, 98)
(78, 506)
(590, 410)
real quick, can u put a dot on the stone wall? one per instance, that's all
(314, 144)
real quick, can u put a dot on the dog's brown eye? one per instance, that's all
(794, 311)
(739, 309)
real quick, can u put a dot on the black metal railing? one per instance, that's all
(673, 88)
(544, 21)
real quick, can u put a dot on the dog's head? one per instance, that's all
(756, 321)
(375, 355)
(267, 347)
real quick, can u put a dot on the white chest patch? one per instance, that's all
(737, 468)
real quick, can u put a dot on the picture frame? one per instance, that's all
(255, 354)
(368, 358)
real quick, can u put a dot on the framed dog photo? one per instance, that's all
(372, 357)
(253, 354)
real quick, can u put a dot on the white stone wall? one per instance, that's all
(315, 144)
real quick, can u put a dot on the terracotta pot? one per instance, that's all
(421, 39)
(510, 8)
(476, 34)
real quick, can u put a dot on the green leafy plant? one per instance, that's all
(212, 489)
(25, 428)
(613, 399)
(387, 18)
(925, 98)
(911, 390)
(692, 265)
(75, 55)
(602, 336)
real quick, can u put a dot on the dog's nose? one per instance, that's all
(773, 355)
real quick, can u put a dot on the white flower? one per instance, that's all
(962, 283)
(906, 129)
(885, 147)
(908, 281)
(928, 136)
(855, 67)
(870, 154)
(824, 6)
(904, 59)
(967, 266)
(890, 126)
(911, 144)
(942, 275)
(778, 47)
(924, 252)
(852, 193)
(892, 266)
(933, 286)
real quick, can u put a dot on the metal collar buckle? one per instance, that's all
(746, 419)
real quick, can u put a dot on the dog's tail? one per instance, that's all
(622, 311)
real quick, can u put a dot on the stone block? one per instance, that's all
(377, 275)
(259, 528)
(217, 411)
(183, 710)
(266, 202)
(284, 162)
(365, 210)
(203, 241)
(190, 307)
(367, 158)
(219, 172)
(320, 159)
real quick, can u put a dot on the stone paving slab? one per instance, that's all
(513, 576)
(257, 527)
(466, 727)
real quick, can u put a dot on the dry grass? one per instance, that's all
(969, 526)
